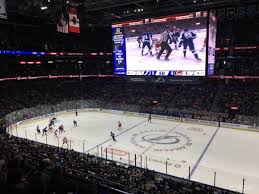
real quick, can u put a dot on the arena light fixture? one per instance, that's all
(22, 62)
(43, 7)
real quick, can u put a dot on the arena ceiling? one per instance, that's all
(104, 12)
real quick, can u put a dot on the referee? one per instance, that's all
(165, 38)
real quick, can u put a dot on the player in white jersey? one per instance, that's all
(155, 46)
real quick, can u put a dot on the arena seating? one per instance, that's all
(199, 98)
(245, 98)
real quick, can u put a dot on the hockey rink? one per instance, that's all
(232, 154)
(137, 62)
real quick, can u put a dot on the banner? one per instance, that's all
(62, 25)
(74, 25)
(3, 13)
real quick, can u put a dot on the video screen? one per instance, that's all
(164, 46)
(212, 42)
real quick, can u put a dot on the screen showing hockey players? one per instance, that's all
(164, 46)
(212, 41)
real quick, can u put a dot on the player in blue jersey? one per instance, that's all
(146, 39)
(187, 41)
(175, 37)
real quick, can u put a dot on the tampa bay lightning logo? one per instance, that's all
(188, 35)
(167, 139)
(161, 140)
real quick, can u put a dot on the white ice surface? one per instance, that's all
(135, 61)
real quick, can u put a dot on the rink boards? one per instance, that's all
(178, 119)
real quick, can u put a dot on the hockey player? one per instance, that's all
(65, 141)
(187, 41)
(113, 136)
(38, 129)
(56, 133)
(52, 122)
(50, 129)
(139, 40)
(61, 129)
(75, 123)
(44, 131)
(175, 37)
(155, 45)
(166, 38)
(119, 125)
(149, 118)
(147, 37)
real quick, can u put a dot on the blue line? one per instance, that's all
(203, 153)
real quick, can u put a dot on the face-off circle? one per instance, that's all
(161, 140)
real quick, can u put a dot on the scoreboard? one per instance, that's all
(173, 45)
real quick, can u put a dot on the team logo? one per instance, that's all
(161, 140)
(158, 80)
(179, 73)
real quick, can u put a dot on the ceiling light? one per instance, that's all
(43, 7)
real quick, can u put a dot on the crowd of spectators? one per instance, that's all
(194, 101)
(246, 99)
(193, 98)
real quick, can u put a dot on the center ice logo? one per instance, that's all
(161, 140)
